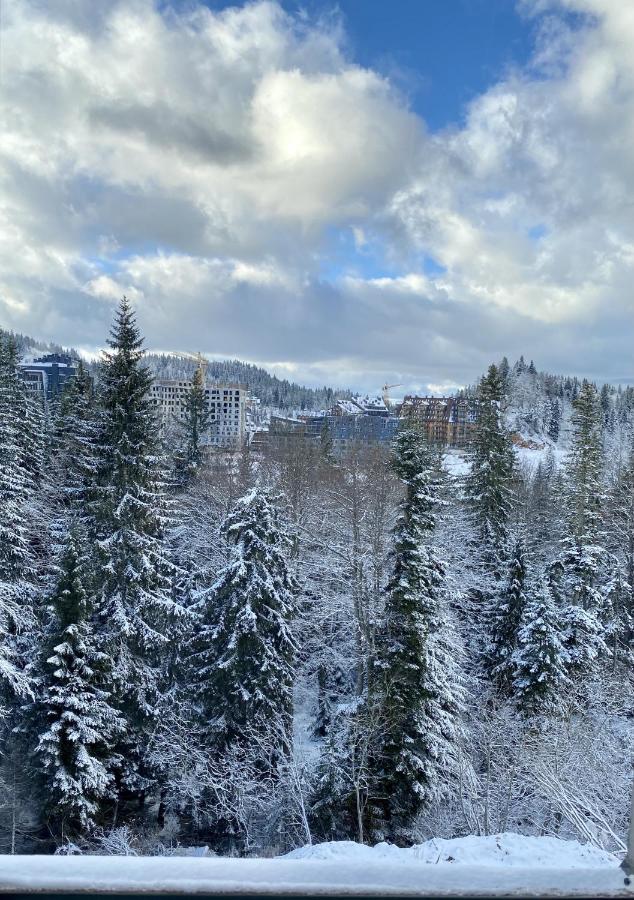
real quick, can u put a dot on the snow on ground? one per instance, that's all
(498, 866)
(494, 850)
(456, 463)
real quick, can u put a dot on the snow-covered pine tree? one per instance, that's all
(132, 574)
(195, 423)
(79, 725)
(417, 686)
(541, 659)
(326, 444)
(580, 576)
(504, 370)
(507, 617)
(242, 657)
(586, 491)
(74, 445)
(16, 492)
(33, 432)
(489, 484)
(554, 420)
(621, 516)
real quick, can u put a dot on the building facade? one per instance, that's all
(48, 374)
(226, 403)
(445, 420)
(344, 429)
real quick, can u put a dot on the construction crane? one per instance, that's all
(202, 361)
(385, 393)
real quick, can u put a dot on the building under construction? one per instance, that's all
(445, 420)
(226, 404)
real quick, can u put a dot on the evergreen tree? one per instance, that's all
(586, 492)
(326, 442)
(75, 436)
(554, 422)
(80, 725)
(242, 659)
(33, 437)
(16, 493)
(489, 485)
(194, 425)
(133, 576)
(605, 401)
(622, 509)
(505, 374)
(580, 576)
(507, 618)
(541, 659)
(417, 686)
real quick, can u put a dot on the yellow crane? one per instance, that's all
(202, 361)
(386, 395)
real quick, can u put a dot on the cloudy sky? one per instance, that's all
(349, 194)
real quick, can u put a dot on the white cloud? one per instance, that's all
(550, 151)
(199, 161)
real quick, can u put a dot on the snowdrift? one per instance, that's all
(495, 850)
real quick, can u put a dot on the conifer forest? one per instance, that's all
(258, 651)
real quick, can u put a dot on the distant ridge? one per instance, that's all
(269, 389)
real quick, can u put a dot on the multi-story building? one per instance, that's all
(345, 430)
(446, 420)
(361, 406)
(226, 403)
(48, 374)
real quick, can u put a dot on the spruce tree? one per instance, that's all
(554, 421)
(507, 617)
(622, 514)
(194, 425)
(504, 370)
(16, 493)
(326, 444)
(586, 493)
(417, 687)
(80, 725)
(242, 658)
(541, 659)
(581, 575)
(74, 440)
(489, 485)
(133, 576)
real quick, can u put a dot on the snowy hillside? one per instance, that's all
(272, 391)
(538, 407)
(495, 866)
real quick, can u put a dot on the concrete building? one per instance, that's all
(345, 430)
(446, 420)
(48, 374)
(227, 405)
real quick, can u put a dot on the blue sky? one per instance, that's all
(372, 192)
(441, 53)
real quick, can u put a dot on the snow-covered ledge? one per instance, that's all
(299, 877)
(497, 866)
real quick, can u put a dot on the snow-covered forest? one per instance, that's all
(256, 652)
(278, 393)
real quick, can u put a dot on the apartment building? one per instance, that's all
(226, 403)
(47, 375)
(446, 420)
(345, 430)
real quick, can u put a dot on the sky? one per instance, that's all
(351, 194)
